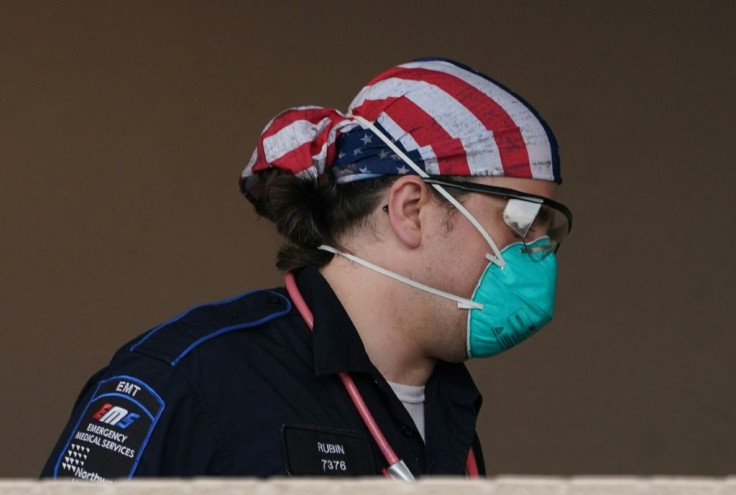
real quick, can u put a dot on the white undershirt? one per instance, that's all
(412, 396)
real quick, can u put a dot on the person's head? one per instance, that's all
(320, 174)
(434, 171)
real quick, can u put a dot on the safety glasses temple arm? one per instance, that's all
(504, 192)
(496, 258)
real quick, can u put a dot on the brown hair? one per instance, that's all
(309, 213)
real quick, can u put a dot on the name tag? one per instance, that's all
(325, 452)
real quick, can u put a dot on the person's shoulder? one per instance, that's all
(205, 325)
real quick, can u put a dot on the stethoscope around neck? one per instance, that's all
(397, 469)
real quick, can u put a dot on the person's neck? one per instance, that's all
(388, 331)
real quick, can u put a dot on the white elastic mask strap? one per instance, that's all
(496, 257)
(462, 303)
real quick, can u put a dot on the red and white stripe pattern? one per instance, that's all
(474, 125)
(298, 137)
(449, 118)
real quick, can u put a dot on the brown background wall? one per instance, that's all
(124, 126)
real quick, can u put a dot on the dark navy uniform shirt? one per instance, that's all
(243, 388)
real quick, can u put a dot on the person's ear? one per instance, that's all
(406, 198)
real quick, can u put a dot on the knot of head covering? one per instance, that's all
(449, 119)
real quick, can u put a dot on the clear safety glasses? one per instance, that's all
(529, 216)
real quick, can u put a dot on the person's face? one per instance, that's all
(460, 255)
(469, 245)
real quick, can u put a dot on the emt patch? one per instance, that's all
(112, 432)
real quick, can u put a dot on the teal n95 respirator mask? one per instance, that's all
(517, 300)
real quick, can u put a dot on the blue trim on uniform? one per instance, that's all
(74, 431)
(219, 332)
(153, 424)
(249, 324)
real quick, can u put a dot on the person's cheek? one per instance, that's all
(502, 235)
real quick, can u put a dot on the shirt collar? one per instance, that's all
(337, 345)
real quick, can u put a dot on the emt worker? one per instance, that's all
(420, 230)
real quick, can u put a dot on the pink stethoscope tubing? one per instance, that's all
(471, 464)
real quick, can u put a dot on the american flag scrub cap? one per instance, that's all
(447, 118)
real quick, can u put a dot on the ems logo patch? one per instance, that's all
(112, 432)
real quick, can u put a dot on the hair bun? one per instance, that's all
(300, 141)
